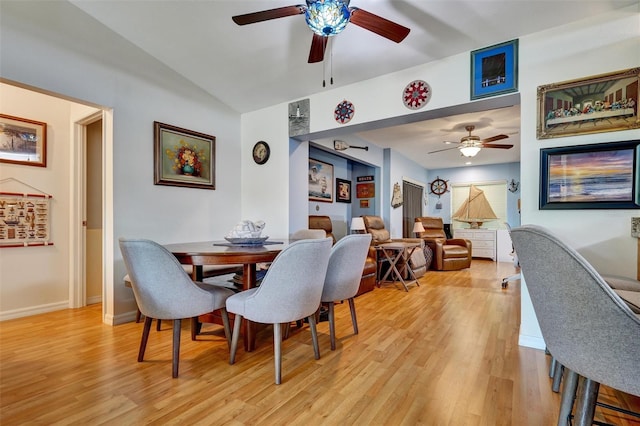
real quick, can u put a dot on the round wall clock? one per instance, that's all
(416, 94)
(261, 152)
(344, 112)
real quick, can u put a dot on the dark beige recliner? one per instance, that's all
(448, 254)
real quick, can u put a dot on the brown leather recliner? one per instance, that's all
(379, 234)
(448, 254)
(368, 280)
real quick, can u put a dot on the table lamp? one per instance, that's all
(357, 225)
(418, 227)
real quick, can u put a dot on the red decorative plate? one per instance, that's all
(416, 94)
(344, 112)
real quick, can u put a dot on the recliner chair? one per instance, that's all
(449, 254)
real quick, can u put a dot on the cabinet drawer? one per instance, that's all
(463, 234)
(482, 252)
(483, 244)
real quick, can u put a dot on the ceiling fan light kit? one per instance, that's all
(327, 18)
(469, 151)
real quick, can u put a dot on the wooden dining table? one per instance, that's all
(222, 252)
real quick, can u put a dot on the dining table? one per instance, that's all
(199, 254)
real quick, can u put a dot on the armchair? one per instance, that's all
(374, 225)
(449, 254)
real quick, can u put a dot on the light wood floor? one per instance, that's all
(445, 353)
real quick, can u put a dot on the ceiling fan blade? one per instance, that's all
(494, 138)
(318, 46)
(440, 150)
(265, 15)
(500, 146)
(378, 25)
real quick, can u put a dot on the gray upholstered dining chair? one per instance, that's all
(163, 290)
(586, 326)
(343, 277)
(289, 291)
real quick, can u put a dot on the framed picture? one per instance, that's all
(597, 176)
(366, 190)
(364, 204)
(494, 70)
(183, 157)
(343, 190)
(23, 141)
(602, 103)
(320, 179)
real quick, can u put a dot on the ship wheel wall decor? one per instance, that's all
(439, 186)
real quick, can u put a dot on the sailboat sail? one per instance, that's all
(475, 209)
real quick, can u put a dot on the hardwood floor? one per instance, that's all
(445, 353)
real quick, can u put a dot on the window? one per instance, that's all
(496, 194)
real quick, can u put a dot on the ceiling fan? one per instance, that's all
(470, 145)
(328, 18)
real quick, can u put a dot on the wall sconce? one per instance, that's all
(513, 186)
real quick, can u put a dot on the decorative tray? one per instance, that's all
(257, 241)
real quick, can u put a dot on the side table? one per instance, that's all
(398, 255)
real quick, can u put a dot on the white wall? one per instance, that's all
(36, 279)
(78, 58)
(602, 44)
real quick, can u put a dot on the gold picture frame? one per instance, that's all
(601, 103)
(183, 157)
(23, 141)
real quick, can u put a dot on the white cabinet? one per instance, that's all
(483, 241)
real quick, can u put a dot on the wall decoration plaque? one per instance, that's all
(416, 94)
(344, 112)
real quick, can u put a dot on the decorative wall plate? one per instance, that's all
(416, 94)
(344, 112)
(261, 152)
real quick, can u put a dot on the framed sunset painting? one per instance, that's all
(598, 176)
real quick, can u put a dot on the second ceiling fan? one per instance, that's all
(470, 145)
(327, 18)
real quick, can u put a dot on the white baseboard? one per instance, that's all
(93, 300)
(33, 310)
(531, 342)
(124, 318)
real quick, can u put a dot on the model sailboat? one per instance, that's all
(475, 210)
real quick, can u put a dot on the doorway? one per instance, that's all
(93, 212)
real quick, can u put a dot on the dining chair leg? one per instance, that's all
(314, 336)
(354, 319)
(332, 325)
(177, 323)
(145, 337)
(158, 324)
(557, 378)
(277, 351)
(237, 323)
(552, 367)
(225, 324)
(568, 396)
(586, 402)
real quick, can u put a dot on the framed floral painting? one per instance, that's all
(183, 157)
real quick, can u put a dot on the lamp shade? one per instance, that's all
(470, 151)
(357, 224)
(418, 227)
(327, 17)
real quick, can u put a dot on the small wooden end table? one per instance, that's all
(395, 252)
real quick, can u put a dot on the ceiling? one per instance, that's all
(254, 66)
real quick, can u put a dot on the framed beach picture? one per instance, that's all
(494, 70)
(320, 181)
(23, 141)
(183, 157)
(597, 176)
